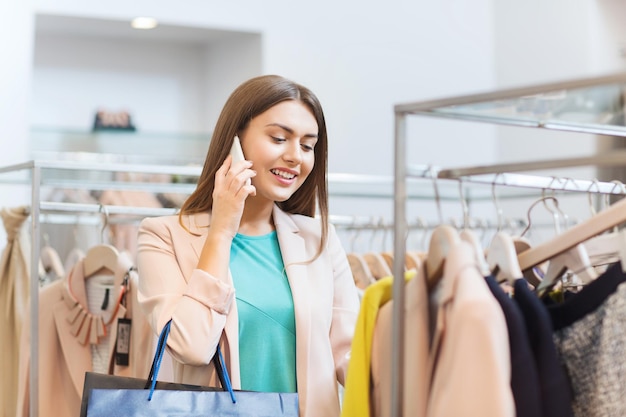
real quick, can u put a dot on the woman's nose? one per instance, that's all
(293, 154)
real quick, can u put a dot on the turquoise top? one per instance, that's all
(267, 327)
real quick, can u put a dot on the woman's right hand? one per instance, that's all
(232, 187)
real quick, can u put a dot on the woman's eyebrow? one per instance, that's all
(291, 131)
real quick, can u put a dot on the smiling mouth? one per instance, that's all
(283, 174)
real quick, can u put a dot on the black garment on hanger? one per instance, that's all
(554, 384)
(524, 376)
(578, 305)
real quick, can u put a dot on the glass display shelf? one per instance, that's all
(177, 147)
(591, 105)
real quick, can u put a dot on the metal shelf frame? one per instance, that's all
(460, 108)
(426, 183)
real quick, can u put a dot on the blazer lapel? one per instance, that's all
(198, 225)
(293, 250)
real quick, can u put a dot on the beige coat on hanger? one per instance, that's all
(469, 363)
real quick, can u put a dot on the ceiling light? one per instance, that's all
(143, 23)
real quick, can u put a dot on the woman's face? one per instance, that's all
(280, 144)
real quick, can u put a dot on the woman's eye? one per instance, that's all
(307, 147)
(276, 139)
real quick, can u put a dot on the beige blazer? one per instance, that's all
(63, 359)
(203, 312)
(470, 364)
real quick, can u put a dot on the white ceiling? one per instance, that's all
(119, 29)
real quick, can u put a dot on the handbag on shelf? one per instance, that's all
(109, 395)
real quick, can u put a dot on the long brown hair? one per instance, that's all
(247, 101)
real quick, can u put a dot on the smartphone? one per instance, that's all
(237, 153)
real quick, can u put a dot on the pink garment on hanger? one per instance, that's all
(65, 351)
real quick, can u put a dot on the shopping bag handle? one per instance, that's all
(218, 362)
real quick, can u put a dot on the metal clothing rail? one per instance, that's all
(348, 185)
(37, 208)
(339, 185)
(54, 207)
(500, 175)
(613, 158)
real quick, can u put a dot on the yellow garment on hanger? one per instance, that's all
(356, 400)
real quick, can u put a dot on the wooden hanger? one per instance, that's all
(534, 275)
(577, 260)
(100, 258)
(502, 258)
(607, 248)
(377, 265)
(388, 257)
(574, 260)
(594, 226)
(442, 239)
(470, 237)
(412, 261)
(50, 259)
(360, 271)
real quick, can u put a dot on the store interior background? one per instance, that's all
(64, 59)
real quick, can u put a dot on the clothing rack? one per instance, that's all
(544, 106)
(346, 185)
(35, 180)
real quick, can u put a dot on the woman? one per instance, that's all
(248, 265)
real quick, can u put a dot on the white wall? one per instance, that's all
(544, 41)
(16, 42)
(539, 42)
(157, 83)
(607, 35)
(362, 58)
(228, 63)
